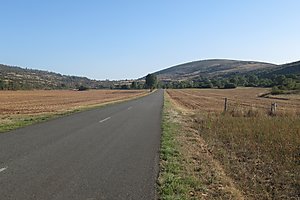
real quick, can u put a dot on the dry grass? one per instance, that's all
(20, 106)
(212, 100)
(43, 101)
(260, 153)
(187, 168)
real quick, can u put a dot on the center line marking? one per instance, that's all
(103, 120)
(129, 108)
(2, 169)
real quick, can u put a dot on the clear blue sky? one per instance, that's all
(128, 39)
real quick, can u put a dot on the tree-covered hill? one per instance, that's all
(231, 74)
(17, 78)
(211, 68)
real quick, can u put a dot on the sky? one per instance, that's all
(128, 39)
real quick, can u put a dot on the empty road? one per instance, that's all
(107, 153)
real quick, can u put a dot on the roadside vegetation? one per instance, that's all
(174, 182)
(256, 155)
(187, 169)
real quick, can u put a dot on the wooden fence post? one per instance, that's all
(273, 108)
(225, 105)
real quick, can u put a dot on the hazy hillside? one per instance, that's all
(20, 78)
(206, 71)
(290, 68)
(212, 68)
(225, 74)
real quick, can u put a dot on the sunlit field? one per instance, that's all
(18, 108)
(258, 151)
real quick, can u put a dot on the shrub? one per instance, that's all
(229, 86)
(82, 88)
(276, 91)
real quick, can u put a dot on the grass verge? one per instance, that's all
(188, 170)
(173, 182)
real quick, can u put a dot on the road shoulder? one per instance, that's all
(186, 172)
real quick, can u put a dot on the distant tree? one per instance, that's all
(151, 81)
(234, 80)
(265, 82)
(11, 85)
(207, 84)
(175, 85)
(252, 80)
(100, 86)
(124, 87)
(166, 85)
(229, 86)
(289, 83)
(159, 84)
(1, 85)
(140, 85)
(275, 90)
(134, 85)
(63, 85)
(181, 85)
(242, 81)
(217, 83)
(279, 80)
(82, 88)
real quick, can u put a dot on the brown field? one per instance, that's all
(241, 156)
(19, 105)
(212, 100)
(43, 101)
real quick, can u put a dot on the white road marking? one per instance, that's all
(103, 120)
(129, 108)
(2, 169)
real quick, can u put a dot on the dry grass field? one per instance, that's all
(241, 98)
(18, 108)
(244, 153)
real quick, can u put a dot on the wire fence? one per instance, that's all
(271, 106)
(219, 102)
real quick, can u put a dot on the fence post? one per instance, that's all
(273, 108)
(225, 105)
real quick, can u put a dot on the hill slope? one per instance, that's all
(290, 68)
(20, 78)
(212, 68)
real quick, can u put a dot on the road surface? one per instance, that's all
(107, 153)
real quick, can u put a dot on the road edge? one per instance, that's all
(172, 182)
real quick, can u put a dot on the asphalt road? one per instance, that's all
(108, 153)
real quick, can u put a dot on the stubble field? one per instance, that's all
(244, 153)
(209, 100)
(18, 108)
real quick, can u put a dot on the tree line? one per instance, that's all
(277, 82)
